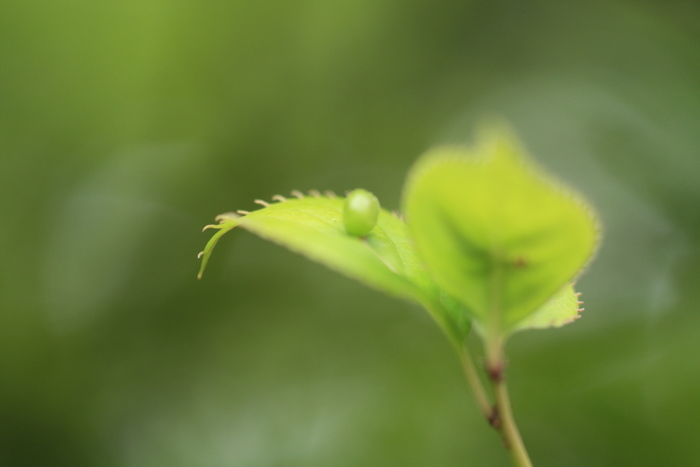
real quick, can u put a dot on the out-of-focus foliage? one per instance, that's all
(124, 126)
(497, 234)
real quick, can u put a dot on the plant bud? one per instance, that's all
(360, 212)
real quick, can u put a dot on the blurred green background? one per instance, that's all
(125, 126)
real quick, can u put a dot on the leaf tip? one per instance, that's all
(226, 222)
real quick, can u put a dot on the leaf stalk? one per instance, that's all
(508, 429)
(470, 371)
(499, 414)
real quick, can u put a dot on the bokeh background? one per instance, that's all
(125, 126)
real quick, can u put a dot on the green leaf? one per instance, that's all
(384, 259)
(494, 232)
(561, 309)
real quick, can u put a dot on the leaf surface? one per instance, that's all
(495, 233)
(559, 310)
(385, 259)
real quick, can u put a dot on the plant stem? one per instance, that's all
(499, 415)
(482, 400)
(507, 427)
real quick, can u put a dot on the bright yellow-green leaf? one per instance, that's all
(384, 258)
(496, 233)
(563, 308)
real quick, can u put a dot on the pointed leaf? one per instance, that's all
(384, 259)
(495, 233)
(563, 308)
